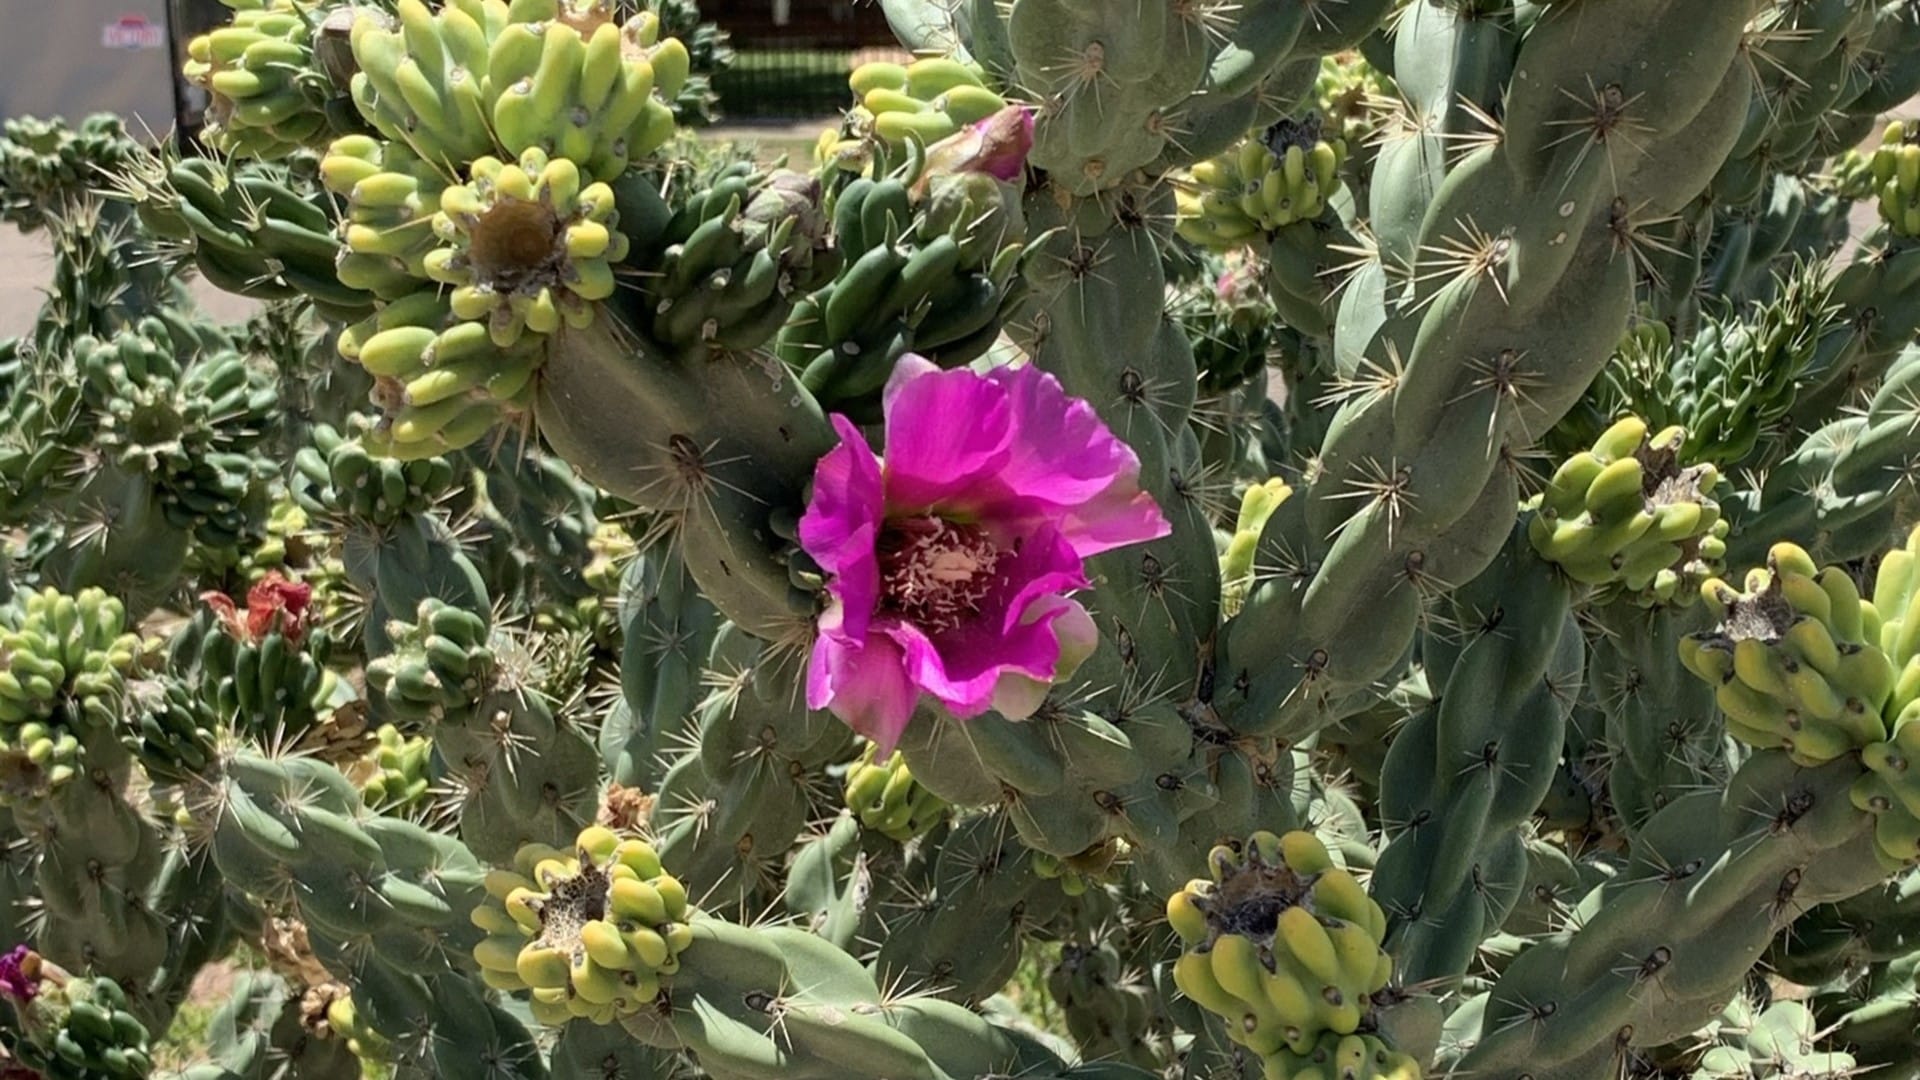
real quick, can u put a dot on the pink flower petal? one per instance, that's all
(865, 684)
(1018, 696)
(1011, 453)
(1011, 446)
(1064, 459)
(962, 667)
(842, 525)
(947, 435)
(996, 145)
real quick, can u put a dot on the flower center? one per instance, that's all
(515, 241)
(935, 572)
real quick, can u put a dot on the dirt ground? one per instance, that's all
(26, 266)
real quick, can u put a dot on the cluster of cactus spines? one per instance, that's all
(514, 690)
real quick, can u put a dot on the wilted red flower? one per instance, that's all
(274, 605)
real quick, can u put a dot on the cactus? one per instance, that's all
(270, 94)
(1778, 1041)
(74, 1028)
(1298, 540)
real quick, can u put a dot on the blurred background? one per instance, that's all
(775, 74)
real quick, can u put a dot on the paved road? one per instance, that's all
(26, 267)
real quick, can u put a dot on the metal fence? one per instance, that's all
(792, 56)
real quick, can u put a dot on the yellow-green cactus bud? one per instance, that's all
(590, 932)
(1795, 660)
(528, 247)
(1630, 514)
(1282, 944)
(613, 548)
(266, 96)
(924, 101)
(1098, 865)
(1891, 789)
(1342, 1057)
(391, 197)
(335, 1005)
(1895, 169)
(63, 661)
(1262, 184)
(397, 767)
(1236, 562)
(1349, 92)
(889, 801)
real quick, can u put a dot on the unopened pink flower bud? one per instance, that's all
(997, 146)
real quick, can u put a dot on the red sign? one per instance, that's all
(133, 32)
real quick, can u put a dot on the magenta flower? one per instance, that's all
(20, 974)
(951, 560)
(997, 146)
